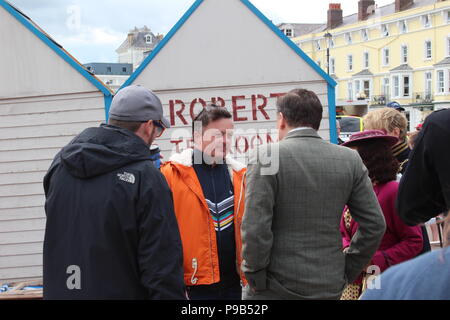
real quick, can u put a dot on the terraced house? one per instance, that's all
(398, 52)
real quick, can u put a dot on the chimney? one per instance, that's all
(334, 15)
(365, 9)
(130, 38)
(401, 5)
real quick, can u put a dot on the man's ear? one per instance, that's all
(396, 132)
(282, 121)
(149, 126)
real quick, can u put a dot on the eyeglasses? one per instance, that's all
(159, 128)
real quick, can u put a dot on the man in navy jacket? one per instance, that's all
(111, 231)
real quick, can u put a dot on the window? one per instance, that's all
(124, 69)
(428, 51)
(428, 83)
(426, 21)
(385, 56)
(385, 30)
(440, 81)
(318, 45)
(148, 39)
(357, 88)
(366, 84)
(396, 88)
(404, 54)
(401, 86)
(348, 38)
(364, 35)
(385, 88)
(403, 27)
(108, 69)
(332, 66)
(350, 62)
(406, 86)
(366, 60)
(331, 43)
(289, 33)
(448, 80)
(350, 90)
(448, 47)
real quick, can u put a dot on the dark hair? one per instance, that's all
(379, 160)
(301, 107)
(133, 126)
(210, 114)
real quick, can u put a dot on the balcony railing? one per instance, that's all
(380, 100)
(423, 97)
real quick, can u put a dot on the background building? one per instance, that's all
(139, 43)
(112, 74)
(398, 52)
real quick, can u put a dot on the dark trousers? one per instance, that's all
(215, 292)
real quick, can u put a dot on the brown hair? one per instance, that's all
(301, 107)
(210, 114)
(133, 126)
(380, 161)
(386, 119)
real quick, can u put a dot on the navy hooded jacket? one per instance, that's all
(111, 231)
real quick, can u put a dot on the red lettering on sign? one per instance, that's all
(190, 143)
(177, 144)
(269, 138)
(217, 100)
(276, 95)
(236, 108)
(246, 145)
(260, 107)
(252, 142)
(179, 113)
(193, 103)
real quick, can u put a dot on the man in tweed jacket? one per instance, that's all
(292, 246)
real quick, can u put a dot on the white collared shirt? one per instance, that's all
(300, 128)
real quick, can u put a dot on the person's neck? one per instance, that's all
(299, 128)
(201, 157)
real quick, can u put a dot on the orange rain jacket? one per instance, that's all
(198, 236)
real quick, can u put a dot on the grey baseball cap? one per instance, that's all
(136, 103)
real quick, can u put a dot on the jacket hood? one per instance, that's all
(101, 150)
(185, 158)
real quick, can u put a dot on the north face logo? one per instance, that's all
(127, 177)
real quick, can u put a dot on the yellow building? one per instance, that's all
(399, 52)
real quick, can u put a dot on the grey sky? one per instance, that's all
(92, 30)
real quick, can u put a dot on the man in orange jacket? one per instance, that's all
(208, 193)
